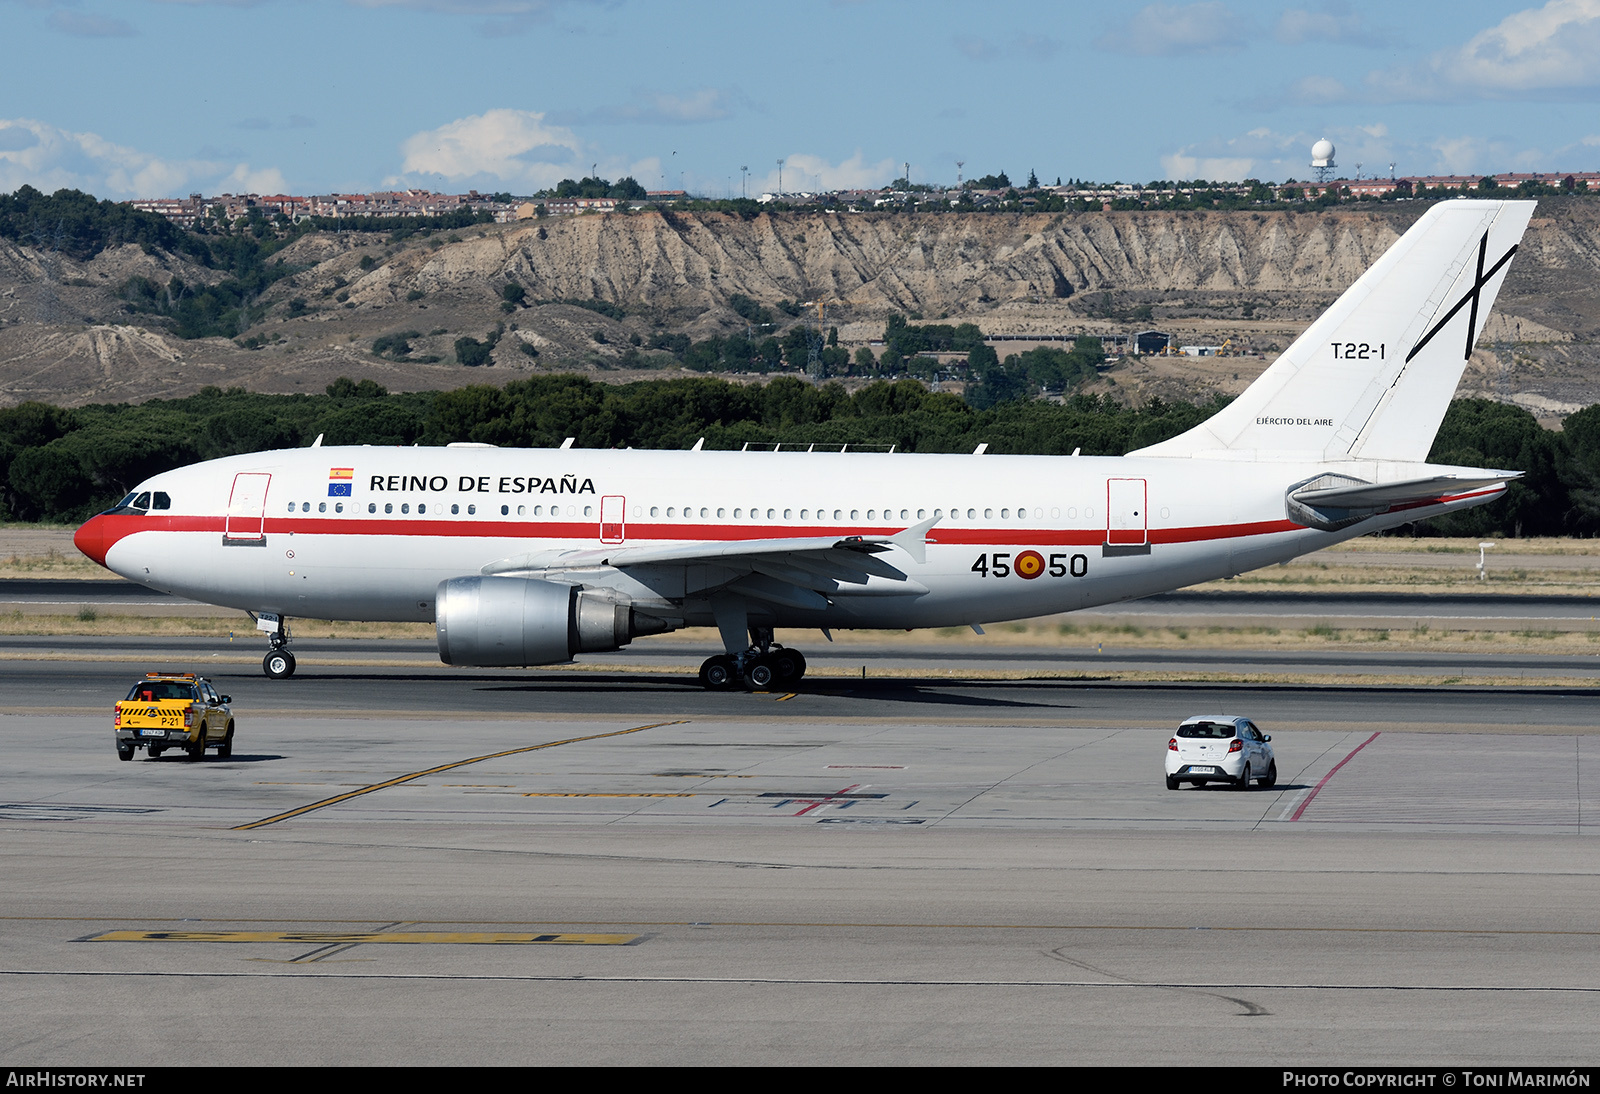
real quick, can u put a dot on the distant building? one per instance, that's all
(558, 206)
(1151, 341)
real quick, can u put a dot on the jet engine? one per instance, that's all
(504, 621)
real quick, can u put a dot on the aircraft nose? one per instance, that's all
(91, 539)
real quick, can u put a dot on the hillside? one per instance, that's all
(66, 336)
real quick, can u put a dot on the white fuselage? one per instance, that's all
(368, 533)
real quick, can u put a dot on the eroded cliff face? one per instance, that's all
(882, 263)
(1257, 278)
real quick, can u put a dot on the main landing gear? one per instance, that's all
(764, 665)
(279, 662)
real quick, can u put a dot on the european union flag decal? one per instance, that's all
(338, 490)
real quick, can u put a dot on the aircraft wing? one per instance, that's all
(800, 571)
(1389, 494)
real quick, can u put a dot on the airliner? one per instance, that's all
(531, 556)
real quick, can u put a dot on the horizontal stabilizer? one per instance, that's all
(1390, 494)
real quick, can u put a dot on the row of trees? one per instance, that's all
(63, 465)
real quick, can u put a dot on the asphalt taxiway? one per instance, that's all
(404, 863)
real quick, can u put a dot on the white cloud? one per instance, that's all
(1180, 165)
(1548, 53)
(244, 179)
(1172, 29)
(511, 146)
(1335, 23)
(48, 158)
(804, 171)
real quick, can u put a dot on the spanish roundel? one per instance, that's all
(1029, 564)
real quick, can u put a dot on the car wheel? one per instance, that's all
(1243, 781)
(225, 750)
(1172, 784)
(124, 753)
(279, 664)
(1271, 777)
(197, 750)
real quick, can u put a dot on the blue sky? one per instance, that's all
(129, 98)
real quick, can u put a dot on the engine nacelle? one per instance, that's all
(505, 621)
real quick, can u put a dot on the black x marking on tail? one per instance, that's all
(1471, 298)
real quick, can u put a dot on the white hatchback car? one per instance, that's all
(1220, 748)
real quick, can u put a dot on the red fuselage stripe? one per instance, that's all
(120, 525)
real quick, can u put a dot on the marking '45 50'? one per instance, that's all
(1030, 564)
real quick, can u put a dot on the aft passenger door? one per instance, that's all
(247, 511)
(1127, 523)
(613, 519)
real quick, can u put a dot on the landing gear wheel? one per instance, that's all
(761, 673)
(225, 750)
(279, 664)
(1172, 784)
(124, 753)
(1271, 777)
(788, 666)
(719, 673)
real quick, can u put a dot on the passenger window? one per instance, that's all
(505, 510)
(472, 510)
(454, 510)
(338, 507)
(405, 507)
(872, 514)
(372, 507)
(421, 509)
(322, 507)
(670, 510)
(786, 513)
(988, 514)
(388, 507)
(522, 510)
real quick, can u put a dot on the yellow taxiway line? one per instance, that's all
(336, 799)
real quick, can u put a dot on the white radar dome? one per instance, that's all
(1321, 153)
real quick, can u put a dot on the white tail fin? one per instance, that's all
(1372, 378)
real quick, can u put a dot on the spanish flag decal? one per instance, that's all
(340, 480)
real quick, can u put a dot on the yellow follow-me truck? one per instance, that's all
(174, 710)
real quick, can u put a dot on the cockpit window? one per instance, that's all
(161, 500)
(142, 501)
